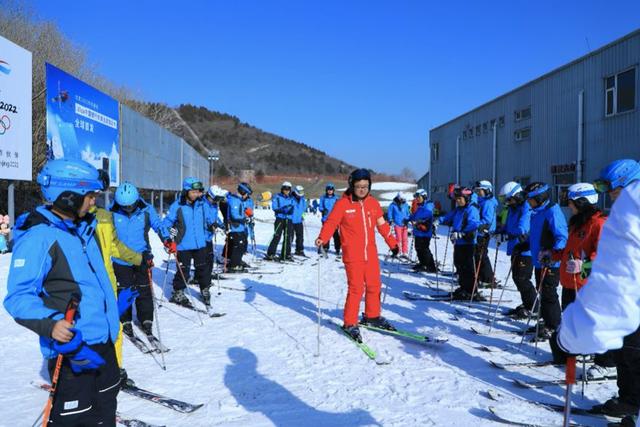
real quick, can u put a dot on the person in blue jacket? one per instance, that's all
(516, 233)
(487, 205)
(283, 205)
(398, 217)
(423, 227)
(299, 208)
(132, 219)
(464, 221)
(315, 204)
(326, 206)
(56, 260)
(192, 220)
(249, 207)
(213, 197)
(548, 234)
(237, 221)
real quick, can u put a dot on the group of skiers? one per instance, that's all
(72, 258)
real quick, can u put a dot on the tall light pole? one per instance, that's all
(214, 156)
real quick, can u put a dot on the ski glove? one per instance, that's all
(173, 232)
(456, 235)
(80, 356)
(147, 259)
(395, 251)
(483, 228)
(574, 266)
(544, 257)
(126, 297)
(170, 246)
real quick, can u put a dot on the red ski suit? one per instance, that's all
(357, 220)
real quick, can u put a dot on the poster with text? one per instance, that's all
(82, 123)
(15, 112)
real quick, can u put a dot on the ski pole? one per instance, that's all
(493, 279)
(495, 312)
(446, 246)
(435, 244)
(477, 276)
(164, 281)
(215, 259)
(155, 303)
(187, 289)
(570, 379)
(538, 302)
(69, 314)
(386, 285)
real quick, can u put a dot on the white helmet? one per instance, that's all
(485, 185)
(511, 189)
(421, 192)
(286, 184)
(583, 190)
(299, 190)
(215, 191)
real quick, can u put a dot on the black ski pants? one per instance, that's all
(137, 277)
(336, 242)
(237, 244)
(425, 257)
(201, 264)
(298, 232)
(522, 269)
(210, 255)
(481, 257)
(628, 366)
(281, 226)
(550, 306)
(463, 260)
(88, 398)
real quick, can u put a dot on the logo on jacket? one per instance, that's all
(5, 68)
(350, 211)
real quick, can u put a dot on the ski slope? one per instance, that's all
(257, 366)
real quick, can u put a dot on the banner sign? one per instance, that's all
(82, 123)
(15, 112)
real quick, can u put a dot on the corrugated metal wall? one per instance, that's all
(154, 158)
(554, 103)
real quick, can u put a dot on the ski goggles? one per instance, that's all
(602, 185)
(197, 185)
(573, 195)
(537, 192)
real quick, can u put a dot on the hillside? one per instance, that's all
(243, 146)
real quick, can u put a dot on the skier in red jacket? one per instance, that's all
(357, 213)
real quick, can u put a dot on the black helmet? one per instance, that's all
(538, 191)
(359, 175)
(462, 192)
(244, 188)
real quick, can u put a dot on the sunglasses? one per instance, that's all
(602, 186)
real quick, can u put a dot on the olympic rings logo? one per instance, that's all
(5, 124)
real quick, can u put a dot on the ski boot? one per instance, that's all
(127, 328)
(268, 257)
(206, 296)
(180, 298)
(378, 322)
(244, 264)
(533, 329)
(353, 332)
(615, 407)
(125, 381)
(147, 327)
(597, 372)
(237, 269)
(544, 334)
(419, 268)
(629, 421)
(289, 258)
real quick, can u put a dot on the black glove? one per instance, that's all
(147, 259)
(559, 354)
(288, 210)
(483, 228)
(394, 251)
(405, 221)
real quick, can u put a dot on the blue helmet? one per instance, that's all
(127, 194)
(192, 183)
(619, 173)
(244, 188)
(65, 182)
(329, 186)
(538, 191)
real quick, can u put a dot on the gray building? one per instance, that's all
(560, 128)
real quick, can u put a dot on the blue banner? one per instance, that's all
(82, 123)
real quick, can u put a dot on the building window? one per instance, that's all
(620, 93)
(501, 121)
(435, 152)
(523, 114)
(522, 134)
(478, 130)
(493, 123)
(485, 127)
(470, 132)
(562, 182)
(464, 134)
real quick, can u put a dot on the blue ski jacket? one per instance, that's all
(283, 206)
(422, 220)
(299, 208)
(214, 214)
(517, 228)
(548, 231)
(236, 217)
(133, 229)
(488, 207)
(465, 220)
(192, 220)
(53, 259)
(397, 213)
(326, 205)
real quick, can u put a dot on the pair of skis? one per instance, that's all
(154, 345)
(413, 296)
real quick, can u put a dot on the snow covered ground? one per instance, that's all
(257, 366)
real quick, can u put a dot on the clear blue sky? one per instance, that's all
(362, 80)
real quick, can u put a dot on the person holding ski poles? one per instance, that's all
(133, 218)
(283, 205)
(213, 198)
(487, 205)
(548, 234)
(606, 313)
(357, 213)
(191, 218)
(300, 207)
(424, 225)
(398, 217)
(326, 205)
(464, 221)
(516, 233)
(57, 269)
(249, 207)
(237, 220)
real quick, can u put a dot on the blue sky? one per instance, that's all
(362, 80)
